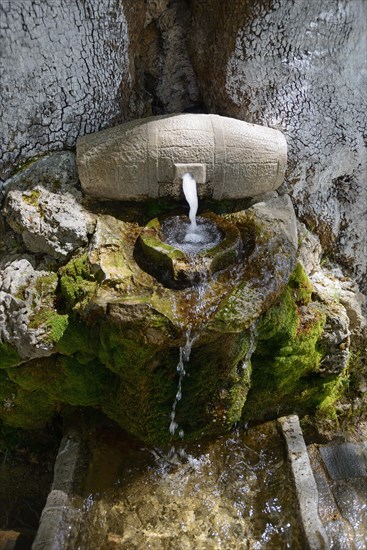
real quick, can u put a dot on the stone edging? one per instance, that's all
(60, 515)
(305, 483)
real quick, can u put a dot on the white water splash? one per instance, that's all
(190, 192)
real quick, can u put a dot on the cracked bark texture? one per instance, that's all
(300, 67)
(71, 68)
(62, 68)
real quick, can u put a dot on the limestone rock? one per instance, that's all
(29, 323)
(335, 339)
(58, 171)
(43, 205)
(147, 158)
(309, 251)
(278, 213)
(332, 285)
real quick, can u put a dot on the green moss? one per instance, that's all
(285, 373)
(76, 281)
(121, 349)
(32, 197)
(144, 399)
(83, 384)
(129, 371)
(238, 311)
(147, 383)
(54, 323)
(333, 391)
(301, 285)
(46, 283)
(21, 408)
(216, 386)
(8, 356)
(65, 380)
(79, 338)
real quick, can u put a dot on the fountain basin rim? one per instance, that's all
(179, 270)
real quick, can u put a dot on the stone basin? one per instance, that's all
(173, 267)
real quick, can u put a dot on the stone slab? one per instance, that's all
(305, 483)
(60, 516)
(342, 501)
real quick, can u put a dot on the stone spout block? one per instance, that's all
(145, 158)
(198, 172)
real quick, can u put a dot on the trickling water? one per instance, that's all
(185, 352)
(253, 335)
(189, 189)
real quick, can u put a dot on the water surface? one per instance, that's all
(231, 493)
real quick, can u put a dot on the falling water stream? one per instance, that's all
(191, 238)
(190, 192)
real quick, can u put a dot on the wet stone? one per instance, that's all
(342, 503)
(344, 461)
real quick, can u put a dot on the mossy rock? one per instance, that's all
(285, 375)
(66, 380)
(214, 391)
(77, 283)
(21, 408)
(8, 356)
(216, 386)
(117, 332)
(143, 401)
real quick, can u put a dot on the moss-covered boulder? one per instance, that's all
(101, 332)
(292, 369)
(30, 323)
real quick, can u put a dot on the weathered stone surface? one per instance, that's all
(61, 508)
(304, 482)
(345, 460)
(340, 474)
(138, 159)
(174, 267)
(169, 79)
(335, 339)
(278, 213)
(42, 205)
(309, 250)
(29, 323)
(331, 284)
(302, 71)
(56, 170)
